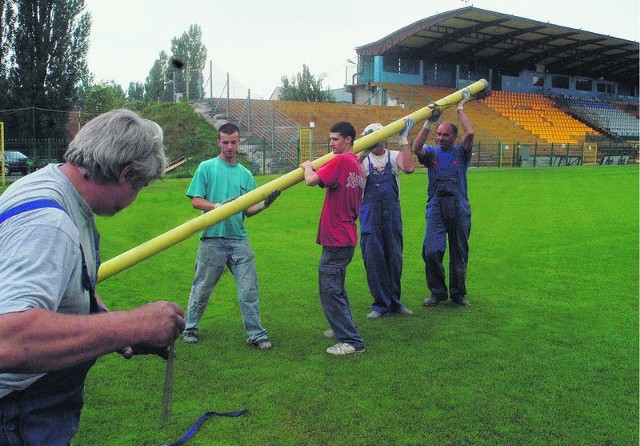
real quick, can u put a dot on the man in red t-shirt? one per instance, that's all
(344, 181)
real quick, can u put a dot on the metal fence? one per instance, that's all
(484, 155)
(256, 154)
(39, 152)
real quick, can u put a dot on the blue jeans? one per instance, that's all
(213, 255)
(333, 296)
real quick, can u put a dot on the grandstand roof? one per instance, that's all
(512, 44)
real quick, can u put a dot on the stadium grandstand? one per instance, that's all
(558, 96)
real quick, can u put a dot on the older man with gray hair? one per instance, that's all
(53, 325)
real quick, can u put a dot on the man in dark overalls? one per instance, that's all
(53, 325)
(448, 210)
(381, 221)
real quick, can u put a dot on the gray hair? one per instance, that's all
(114, 140)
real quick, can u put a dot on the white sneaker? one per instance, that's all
(374, 315)
(329, 334)
(343, 348)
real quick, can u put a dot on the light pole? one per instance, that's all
(349, 61)
(173, 89)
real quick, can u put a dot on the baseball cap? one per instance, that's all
(371, 128)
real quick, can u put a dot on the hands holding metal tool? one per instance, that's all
(157, 325)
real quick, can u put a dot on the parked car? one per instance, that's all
(15, 161)
(40, 162)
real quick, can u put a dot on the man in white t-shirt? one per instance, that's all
(381, 221)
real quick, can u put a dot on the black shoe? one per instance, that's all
(461, 301)
(432, 301)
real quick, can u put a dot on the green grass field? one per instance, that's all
(546, 355)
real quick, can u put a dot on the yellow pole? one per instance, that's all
(184, 231)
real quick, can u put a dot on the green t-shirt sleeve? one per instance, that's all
(198, 186)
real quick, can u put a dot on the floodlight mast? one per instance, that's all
(180, 233)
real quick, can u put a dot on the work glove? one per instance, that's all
(433, 119)
(367, 151)
(271, 198)
(408, 125)
(466, 97)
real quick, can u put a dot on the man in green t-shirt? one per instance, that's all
(215, 182)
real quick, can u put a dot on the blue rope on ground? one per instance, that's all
(201, 421)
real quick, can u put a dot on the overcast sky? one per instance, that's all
(259, 41)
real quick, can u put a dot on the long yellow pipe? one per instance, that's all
(185, 230)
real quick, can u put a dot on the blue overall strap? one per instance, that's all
(201, 420)
(87, 283)
(30, 206)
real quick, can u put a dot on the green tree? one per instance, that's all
(102, 98)
(7, 25)
(135, 91)
(135, 97)
(82, 88)
(304, 87)
(154, 87)
(48, 58)
(191, 52)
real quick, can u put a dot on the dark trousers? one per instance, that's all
(381, 246)
(447, 217)
(333, 296)
(45, 413)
